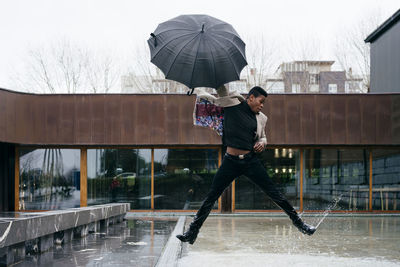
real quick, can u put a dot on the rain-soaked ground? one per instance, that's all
(273, 241)
(134, 242)
(237, 241)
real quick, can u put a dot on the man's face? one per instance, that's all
(256, 103)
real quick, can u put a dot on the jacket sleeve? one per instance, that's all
(263, 137)
(226, 99)
(204, 95)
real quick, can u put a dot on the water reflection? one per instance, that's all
(49, 178)
(119, 175)
(283, 168)
(134, 242)
(344, 241)
(182, 177)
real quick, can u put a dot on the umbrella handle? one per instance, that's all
(189, 93)
(155, 40)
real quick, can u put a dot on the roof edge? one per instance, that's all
(383, 27)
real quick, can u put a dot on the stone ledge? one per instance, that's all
(173, 248)
(21, 229)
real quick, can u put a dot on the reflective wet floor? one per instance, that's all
(134, 242)
(273, 241)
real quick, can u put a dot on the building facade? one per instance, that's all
(312, 77)
(62, 151)
(385, 56)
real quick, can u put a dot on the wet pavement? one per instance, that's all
(236, 241)
(134, 242)
(273, 241)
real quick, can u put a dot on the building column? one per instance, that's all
(83, 178)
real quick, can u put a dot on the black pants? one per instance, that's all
(233, 167)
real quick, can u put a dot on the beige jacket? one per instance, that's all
(229, 99)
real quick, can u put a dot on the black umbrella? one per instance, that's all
(198, 51)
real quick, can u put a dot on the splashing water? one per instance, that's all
(321, 217)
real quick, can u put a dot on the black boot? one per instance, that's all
(190, 235)
(303, 227)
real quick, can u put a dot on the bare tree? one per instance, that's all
(140, 73)
(101, 73)
(306, 48)
(352, 53)
(262, 57)
(144, 77)
(65, 68)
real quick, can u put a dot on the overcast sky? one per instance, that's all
(120, 25)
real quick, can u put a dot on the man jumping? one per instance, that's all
(243, 135)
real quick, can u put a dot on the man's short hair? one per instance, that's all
(257, 91)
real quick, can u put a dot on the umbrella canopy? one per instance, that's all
(198, 51)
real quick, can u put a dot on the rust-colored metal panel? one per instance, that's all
(143, 114)
(368, 120)
(206, 136)
(157, 133)
(97, 118)
(308, 119)
(52, 118)
(353, 120)
(23, 114)
(276, 124)
(83, 120)
(383, 120)
(293, 119)
(338, 119)
(11, 120)
(172, 120)
(67, 119)
(3, 115)
(38, 121)
(396, 119)
(323, 119)
(130, 113)
(112, 119)
(186, 129)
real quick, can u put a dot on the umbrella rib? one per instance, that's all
(180, 52)
(222, 23)
(194, 65)
(231, 33)
(169, 42)
(229, 40)
(230, 59)
(173, 30)
(215, 69)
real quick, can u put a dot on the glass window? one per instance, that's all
(332, 88)
(283, 167)
(386, 179)
(331, 174)
(295, 88)
(119, 175)
(183, 177)
(314, 79)
(49, 178)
